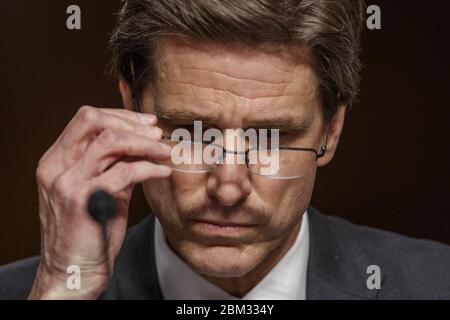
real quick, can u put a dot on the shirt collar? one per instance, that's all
(286, 281)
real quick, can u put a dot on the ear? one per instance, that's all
(127, 95)
(335, 127)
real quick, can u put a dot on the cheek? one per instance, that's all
(285, 201)
(173, 196)
(158, 195)
(188, 191)
(185, 183)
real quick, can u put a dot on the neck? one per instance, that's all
(240, 286)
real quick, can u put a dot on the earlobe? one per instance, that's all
(126, 94)
(335, 127)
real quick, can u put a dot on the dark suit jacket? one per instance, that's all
(340, 253)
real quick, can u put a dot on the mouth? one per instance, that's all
(221, 228)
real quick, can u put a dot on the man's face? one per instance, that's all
(230, 88)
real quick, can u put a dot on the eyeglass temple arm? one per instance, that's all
(323, 148)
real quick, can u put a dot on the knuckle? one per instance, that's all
(127, 148)
(41, 173)
(108, 137)
(44, 169)
(124, 170)
(41, 170)
(130, 114)
(88, 114)
(60, 188)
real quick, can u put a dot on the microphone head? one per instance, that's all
(102, 206)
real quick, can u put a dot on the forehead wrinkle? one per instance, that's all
(236, 60)
(250, 74)
(202, 79)
(223, 74)
(194, 87)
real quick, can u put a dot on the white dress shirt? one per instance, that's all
(286, 281)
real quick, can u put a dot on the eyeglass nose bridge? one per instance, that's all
(225, 151)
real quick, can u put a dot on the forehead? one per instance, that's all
(234, 86)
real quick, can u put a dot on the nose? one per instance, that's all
(229, 183)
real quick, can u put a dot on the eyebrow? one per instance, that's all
(183, 116)
(282, 123)
(179, 116)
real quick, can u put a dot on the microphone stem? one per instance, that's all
(106, 249)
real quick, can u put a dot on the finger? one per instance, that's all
(77, 136)
(133, 126)
(111, 146)
(90, 121)
(124, 174)
(143, 118)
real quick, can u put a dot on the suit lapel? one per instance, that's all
(135, 276)
(336, 266)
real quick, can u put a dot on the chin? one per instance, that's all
(221, 261)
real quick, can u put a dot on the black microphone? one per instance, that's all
(102, 207)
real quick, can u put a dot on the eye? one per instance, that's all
(189, 127)
(280, 133)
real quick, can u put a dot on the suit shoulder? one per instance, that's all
(16, 279)
(410, 268)
(383, 239)
(135, 274)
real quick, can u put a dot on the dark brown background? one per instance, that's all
(392, 169)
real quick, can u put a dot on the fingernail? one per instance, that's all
(147, 118)
(165, 170)
(155, 131)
